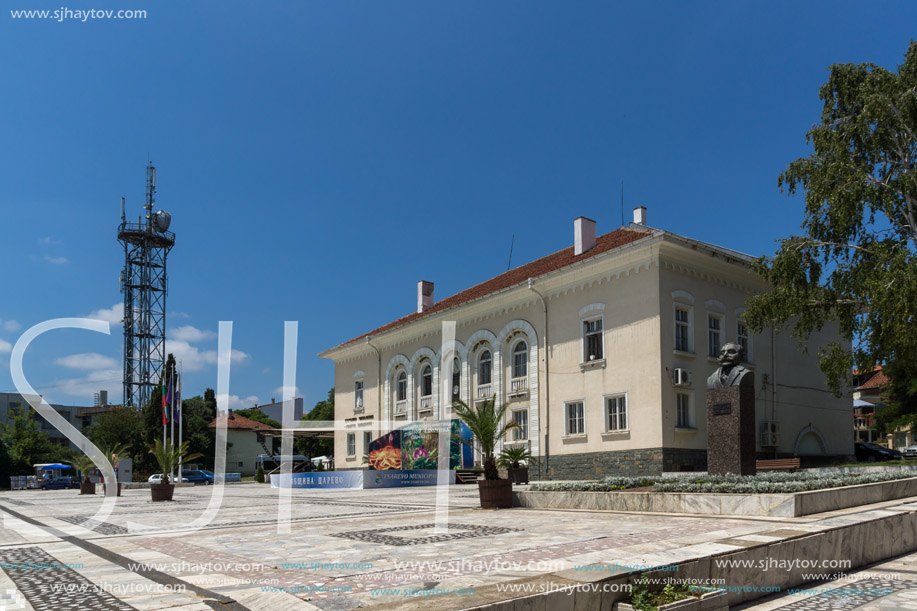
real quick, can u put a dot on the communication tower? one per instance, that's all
(144, 285)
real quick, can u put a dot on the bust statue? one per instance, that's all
(730, 372)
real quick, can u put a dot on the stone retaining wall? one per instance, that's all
(649, 461)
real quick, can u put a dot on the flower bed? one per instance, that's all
(763, 483)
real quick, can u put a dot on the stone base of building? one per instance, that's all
(649, 461)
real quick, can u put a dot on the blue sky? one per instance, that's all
(319, 158)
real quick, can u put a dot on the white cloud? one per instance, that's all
(191, 334)
(114, 314)
(88, 361)
(179, 315)
(46, 241)
(11, 325)
(194, 359)
(56, 260)
(236, 403)
(84, 388)
(278, 392)
(5, 346)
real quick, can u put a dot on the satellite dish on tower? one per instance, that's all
(161, 221)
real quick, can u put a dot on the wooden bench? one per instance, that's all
(779, 464)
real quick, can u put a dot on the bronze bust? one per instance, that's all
(730, 372)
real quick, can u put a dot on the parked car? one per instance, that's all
(60, 483)
(872, 452)
(156, 478)
(910, 451)
(197, 477)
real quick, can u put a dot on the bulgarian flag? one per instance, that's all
(166, 399)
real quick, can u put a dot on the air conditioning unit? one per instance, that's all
(770, 434)
(681, 377)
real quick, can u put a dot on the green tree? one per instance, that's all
(197, 414)
(488, 424)
(856, 261)
(26, 444)
(152, 415)
(323, 410)
(120, 426)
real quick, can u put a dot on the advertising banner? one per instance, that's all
(400, 479)
(319, 479)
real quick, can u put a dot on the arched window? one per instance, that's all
(456, 379)
(520, 360)
(402, 394)
(426, 381)
(485, 363)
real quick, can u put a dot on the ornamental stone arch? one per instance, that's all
(525, 328)
(395, 361)
(474, 350)
(452, 349)
(414, 379)
(808, 437)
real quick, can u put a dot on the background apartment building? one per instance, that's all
(601, 351)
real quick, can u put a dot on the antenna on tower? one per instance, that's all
(122, 210)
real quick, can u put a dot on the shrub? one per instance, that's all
(259, 475)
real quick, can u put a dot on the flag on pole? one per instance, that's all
(176, 411)
(166, 398)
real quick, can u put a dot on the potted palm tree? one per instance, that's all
(487, 424)
(512, 459)
(170, 458)
(114, 453)
(85, 466)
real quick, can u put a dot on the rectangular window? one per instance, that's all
(683, 410)
(742, 335)
(351, 444)
(367, 439)
(681, 330)
(358, 395)
(616, 413)
(575, 418)
(713, 335)
(521, 418)
(592, 340)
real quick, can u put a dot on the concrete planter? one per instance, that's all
(711, 601)
(519, 475)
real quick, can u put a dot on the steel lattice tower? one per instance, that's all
(144, 285)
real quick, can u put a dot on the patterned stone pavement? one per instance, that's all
(344, 546)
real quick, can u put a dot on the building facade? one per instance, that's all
(68, 412)
(601, 352)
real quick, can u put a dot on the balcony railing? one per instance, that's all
(484, 391)
(426, 403)
(401, 406)
(519, 385)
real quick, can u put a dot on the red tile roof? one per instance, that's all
(878, 380)
(519, 275)
(239, 422)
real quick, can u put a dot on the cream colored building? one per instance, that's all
(601, 350)
(245, 442)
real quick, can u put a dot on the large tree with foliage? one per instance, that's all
(323, 410)
(120, 426)
(856, 261)
(26, 444)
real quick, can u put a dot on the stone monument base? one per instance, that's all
(731, 429)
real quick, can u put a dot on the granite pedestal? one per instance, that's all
(731, 428)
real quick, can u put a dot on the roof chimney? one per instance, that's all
(640, 215)
(424, 296)
(583, 235)
(272, 401)
(231, 417)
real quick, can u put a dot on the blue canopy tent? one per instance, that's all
(56, 467)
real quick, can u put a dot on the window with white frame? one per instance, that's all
(485, 367)
(456, 379)
(714, 334)
(358, 395)
(401, 391)
(367, 439)
(682, 327)
(575, 418)
(351, 444)
(593, 340)
(616, 413)
(744, 339)
(426, 381)
(520, 359)
(521, 418)
(683, 417)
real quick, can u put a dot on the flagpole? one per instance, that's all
(180, 414)
(163, 380)
(172, 412)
